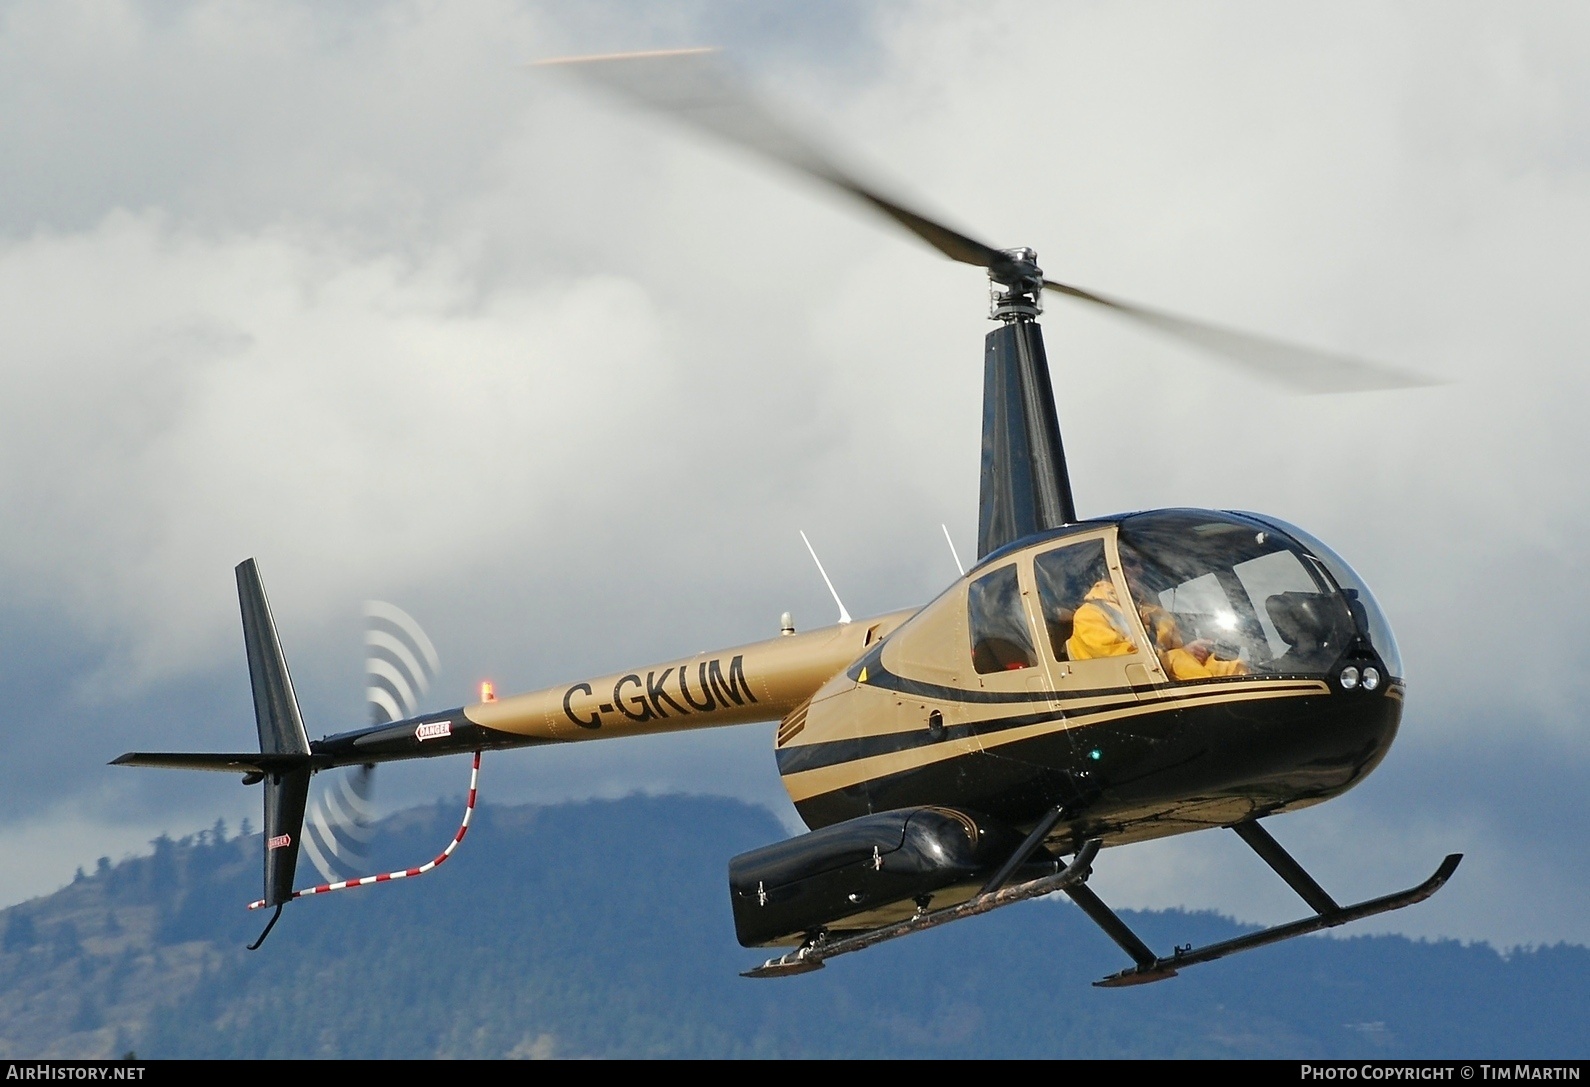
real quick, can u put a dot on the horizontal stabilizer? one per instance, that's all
(226, 763)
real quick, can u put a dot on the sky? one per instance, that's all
(358, 293)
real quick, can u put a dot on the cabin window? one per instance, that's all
(1001, 638)
(1075, 577)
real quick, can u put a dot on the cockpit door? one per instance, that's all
(1004, 652)
(1092, 637)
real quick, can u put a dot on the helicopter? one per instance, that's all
(1087, 683)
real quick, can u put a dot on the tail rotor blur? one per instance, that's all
(400, 663)
(341, 817)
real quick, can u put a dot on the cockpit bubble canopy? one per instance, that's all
(1371, 620)
(1251, 589)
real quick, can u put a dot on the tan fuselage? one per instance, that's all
(761, 681)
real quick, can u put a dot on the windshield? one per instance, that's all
(1226, 598)
(1370, 620)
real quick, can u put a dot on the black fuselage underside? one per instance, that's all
(1153, 773)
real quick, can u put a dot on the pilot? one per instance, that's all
(1182, 659)
(1099, 629)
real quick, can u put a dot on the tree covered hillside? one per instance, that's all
(603, 929)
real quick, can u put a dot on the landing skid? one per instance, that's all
(1072, 880)
(1327, 914)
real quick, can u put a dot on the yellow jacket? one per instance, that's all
(1183, 664)
(1099, 629)
(1179, 661)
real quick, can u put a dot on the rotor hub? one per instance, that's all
(1015, 285)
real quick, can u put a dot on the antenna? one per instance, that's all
(844, 616)
(953, 552)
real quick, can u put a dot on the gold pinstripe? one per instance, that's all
(809, 783)
(1027, 732)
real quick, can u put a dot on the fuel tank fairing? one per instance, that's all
(848, 875)
(1154, 673)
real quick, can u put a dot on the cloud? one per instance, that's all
(180, 401)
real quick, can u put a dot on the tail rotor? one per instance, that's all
(334, 830)
(340, 822)
(400, 663)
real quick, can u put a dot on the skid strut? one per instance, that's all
(386, 877)
(1327, 914)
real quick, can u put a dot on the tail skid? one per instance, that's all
(385, 877)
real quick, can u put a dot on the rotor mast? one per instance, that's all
(1025, 487)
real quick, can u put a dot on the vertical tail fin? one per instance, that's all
(281, 732)
(281, 728)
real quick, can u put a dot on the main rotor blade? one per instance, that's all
(1304, 369)
(694, 86)
(697, 88)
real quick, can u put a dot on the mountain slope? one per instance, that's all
(603, 929)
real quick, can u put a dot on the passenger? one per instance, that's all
(1186, 660)
(1099, 629)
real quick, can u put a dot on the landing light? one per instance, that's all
(1350, 678)
(1371, 678)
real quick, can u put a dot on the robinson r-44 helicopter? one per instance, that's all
(1088, 683)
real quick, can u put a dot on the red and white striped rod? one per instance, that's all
(385, 877)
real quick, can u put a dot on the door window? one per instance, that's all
(1081, 612)
(1001, 638)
